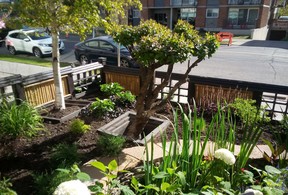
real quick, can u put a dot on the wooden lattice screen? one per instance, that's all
(43, 92)
(207, 94)
(129, 82)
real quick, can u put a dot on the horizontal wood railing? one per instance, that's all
(39, 89)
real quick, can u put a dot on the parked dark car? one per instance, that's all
(104, 46)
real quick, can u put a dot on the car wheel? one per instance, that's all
(83, 60)
(124, 63)
(12, 50)
(37, 52)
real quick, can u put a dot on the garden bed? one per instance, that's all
(73, 109)
(21, 158)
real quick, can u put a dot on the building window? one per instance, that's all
(161, 18)
(188, 14)
(136, 13)
(242, 16)
(212, 13)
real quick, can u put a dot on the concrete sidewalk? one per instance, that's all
(131, 157)
(11, 68)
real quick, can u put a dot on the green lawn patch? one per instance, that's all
(30, 60)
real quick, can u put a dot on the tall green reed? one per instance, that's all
(179, 167)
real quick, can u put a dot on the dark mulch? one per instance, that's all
(22, 157)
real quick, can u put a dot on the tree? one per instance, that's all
(153, 45)
(75, 16)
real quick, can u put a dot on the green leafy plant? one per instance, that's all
(270, 181)
(117, 94)
(184, 167)
(101, 107)
(64, 155)
(284, 124)
(125, 97)
(247, 111)
(112, 184)
(46, 183)
(279, 145)
(78, 126)
(111, 88)
(223, 129)
(110, 145)
(19, 119)
(5, 187)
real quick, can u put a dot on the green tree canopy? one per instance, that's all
(77, 16)
(153, 45)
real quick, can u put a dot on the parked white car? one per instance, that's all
(32, 41)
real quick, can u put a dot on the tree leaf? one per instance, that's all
(83, 176)
(99, 165)
(272, 170)
(113, 165)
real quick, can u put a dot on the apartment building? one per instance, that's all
(241, 17)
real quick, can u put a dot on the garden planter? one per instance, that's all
(73, 108)
(119, 125)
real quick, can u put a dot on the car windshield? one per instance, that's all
(37, 35)
(122, 47)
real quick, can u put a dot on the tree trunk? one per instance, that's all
(143, 107)
(59, 94)
(137, 126)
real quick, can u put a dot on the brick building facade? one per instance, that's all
(241, 17)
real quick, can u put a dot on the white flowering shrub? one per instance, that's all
(225, 155)
(73, 187)
(256, 192)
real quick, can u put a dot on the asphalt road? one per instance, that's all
(246, 60)
(254, 61)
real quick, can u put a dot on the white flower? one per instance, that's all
(256, 192)
(225, 155)
(73, 187)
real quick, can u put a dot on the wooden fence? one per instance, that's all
(205, 90)
(38, 89)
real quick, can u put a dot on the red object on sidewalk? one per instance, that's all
(225, 35)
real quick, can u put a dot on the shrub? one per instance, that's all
(64, 155)
(248, 112)
(111, 88)
(78, 126)
(110, 145)
(19, 119)
(101, 107)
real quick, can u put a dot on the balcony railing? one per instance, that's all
(244, 2)
(183, 3)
